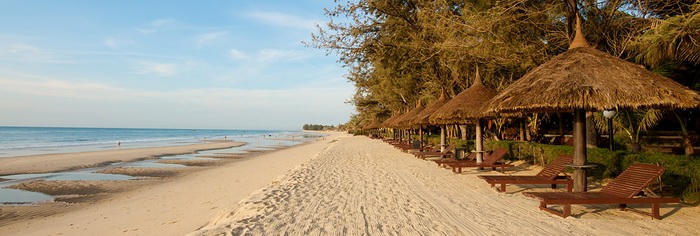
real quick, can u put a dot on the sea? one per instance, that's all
(28, 141)
(24, 141)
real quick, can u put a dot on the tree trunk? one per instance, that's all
(591, 132)
(687, 142)
(463, 129)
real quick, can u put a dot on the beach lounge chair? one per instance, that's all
(443, 162)
(490, 161)
(447, 153)
(620, 191)
(548, 175)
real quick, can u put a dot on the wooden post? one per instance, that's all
(580, 182)
(420, 135)
(408, 138)
(442, 138)
(521, 121)
(479, 142)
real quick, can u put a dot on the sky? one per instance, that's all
(168, 64)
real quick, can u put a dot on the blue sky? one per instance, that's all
(167, 64)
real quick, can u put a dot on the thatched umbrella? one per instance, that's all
(585, 79)
(374, 125)
(409, 116)
(405, 121)
(423, 118)
(388, 123)
(469, 105)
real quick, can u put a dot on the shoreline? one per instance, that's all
(176, 202)
(69, 161)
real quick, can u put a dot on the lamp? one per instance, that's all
(610, 114)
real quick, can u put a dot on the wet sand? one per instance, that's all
(165, 201)
(69, 161)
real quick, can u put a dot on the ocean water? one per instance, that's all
(22, 141)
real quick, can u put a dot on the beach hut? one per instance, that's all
(585, 79)
(405, 120)
(423, 118)
(373, 126)
(388, 122)
(402, 122)
(468, 106)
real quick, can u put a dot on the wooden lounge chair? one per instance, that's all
(620, 191)
(447, 153)
(548, 175)
(491, 161)
(443, 162)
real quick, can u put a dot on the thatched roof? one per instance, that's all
(423, 117)
(586, 78)
(375, 124)
(405, 121)
(470, 104)
(388, 123)
(395, 122)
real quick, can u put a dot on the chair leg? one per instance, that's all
(567, 210)
(655, 211)
(503, 188)
(623, 207)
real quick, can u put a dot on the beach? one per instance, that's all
(339, 185)
(361, 186)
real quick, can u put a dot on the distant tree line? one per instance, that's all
(318, 127)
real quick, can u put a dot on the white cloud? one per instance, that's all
(66, 103)
(282, 19)
(269, 54)
(116, 43)
(205, 39)
(156, 25)
(30, 53)
(160, 69)
(237, 54)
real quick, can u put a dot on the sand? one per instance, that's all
(342, 185)
(174, 205)
(360, 186)
(67, 161)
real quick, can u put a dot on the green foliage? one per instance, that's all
(318, 127)
(681, 178)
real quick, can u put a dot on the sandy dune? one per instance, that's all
(360, 186)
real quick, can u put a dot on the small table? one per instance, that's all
(589, 166)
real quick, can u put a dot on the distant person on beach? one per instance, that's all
(119, 144)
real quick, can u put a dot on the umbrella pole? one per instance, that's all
(479, 142)
(420, 134)
(580, 183)
(442, 138)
